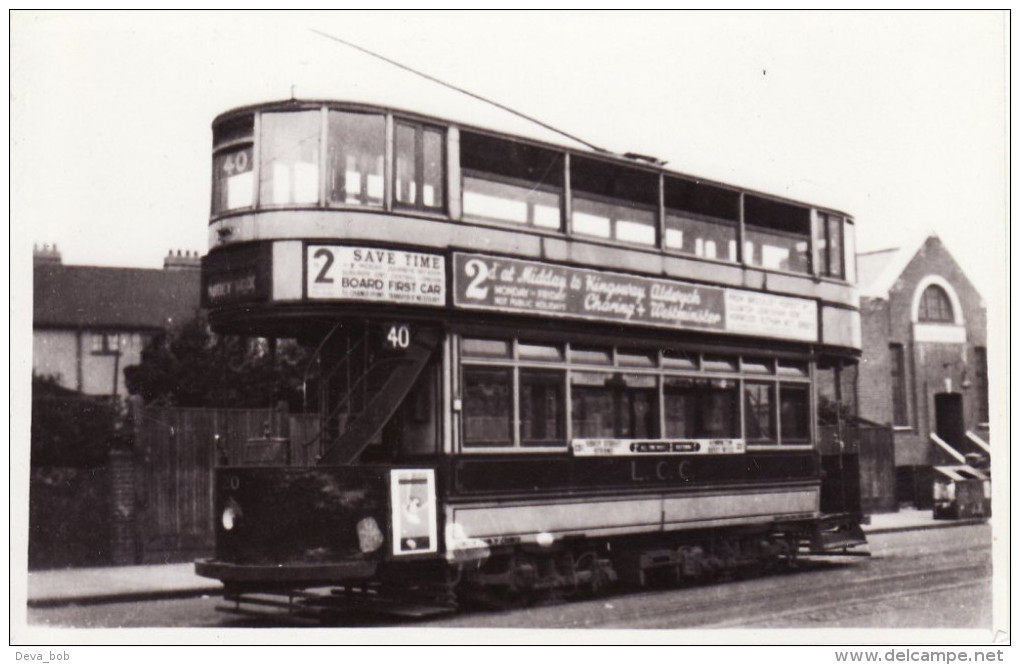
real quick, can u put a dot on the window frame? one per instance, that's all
(260, 167)
(826, 222)
(898, 384)
(327, 161)
(420, 129)
(659, 373)
(946, 314)
(105, 348)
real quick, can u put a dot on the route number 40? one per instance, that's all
(398, 337)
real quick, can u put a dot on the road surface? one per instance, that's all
(938, 578)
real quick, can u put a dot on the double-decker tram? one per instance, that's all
(539, 366)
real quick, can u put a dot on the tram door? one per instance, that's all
(838, 439)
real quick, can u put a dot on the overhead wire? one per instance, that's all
(463, 91)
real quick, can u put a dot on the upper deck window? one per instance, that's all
(829, 245)
(233, 164)
(419, 168)
(613, 202)
(289, 158)
(506, 181)
(701, 220)
(777, 235)
(356, 157)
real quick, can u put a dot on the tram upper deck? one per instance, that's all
(328, 201)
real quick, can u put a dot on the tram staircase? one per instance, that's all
(375, 388)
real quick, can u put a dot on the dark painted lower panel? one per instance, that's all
(541, 474)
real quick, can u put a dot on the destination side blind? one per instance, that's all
(513, 285)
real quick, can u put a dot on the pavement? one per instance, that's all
(80, 586)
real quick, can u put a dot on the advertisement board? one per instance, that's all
(336, 272)
(529, 287)
(413, 502)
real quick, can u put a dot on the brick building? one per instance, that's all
(91, 322)
(924, 366)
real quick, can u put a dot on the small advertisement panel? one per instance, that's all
(638, 447)
(413, 504)
(337, 272)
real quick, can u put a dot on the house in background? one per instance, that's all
(91, 322)
(924, 367)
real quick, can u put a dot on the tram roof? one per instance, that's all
(483, 117)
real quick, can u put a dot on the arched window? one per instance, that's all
(935, 306)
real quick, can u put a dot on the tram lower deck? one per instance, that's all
(510, 463)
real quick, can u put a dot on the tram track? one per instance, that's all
(815, 593)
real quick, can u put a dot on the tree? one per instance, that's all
(192, 366)
(70, 429)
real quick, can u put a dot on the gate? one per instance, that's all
(175, 454)
(867, 453)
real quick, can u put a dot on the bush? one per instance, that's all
(68, 521)
(72, 431)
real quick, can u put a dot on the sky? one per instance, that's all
(899, 119)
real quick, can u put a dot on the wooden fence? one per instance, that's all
(175, 454)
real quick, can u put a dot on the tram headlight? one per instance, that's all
(370, 536)
(231, 516)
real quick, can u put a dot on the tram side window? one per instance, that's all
(543, 407)
(829, 245)
(233, 184)
(701, 220)
(356, 149)
(506, 181)
(605, 405)
(759, 412)
(488, 405)
(794, 413)
(289, 158)
(613, 202)
(419, 155)
(700, 408)
(776, 235)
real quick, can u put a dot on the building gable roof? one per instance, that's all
(120, 298)
(879, 270)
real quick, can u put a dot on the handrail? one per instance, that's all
(345, 400)
(979, 442)
(948, 448)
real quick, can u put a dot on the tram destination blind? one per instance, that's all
(512, 285)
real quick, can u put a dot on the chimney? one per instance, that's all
(187, 261)
(46, 254)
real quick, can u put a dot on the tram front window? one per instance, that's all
(357, 148)
(289, 166)
(418, 152)
(233, 164)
